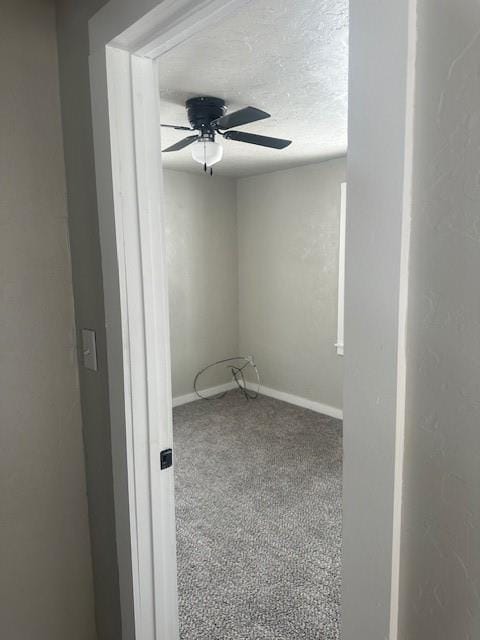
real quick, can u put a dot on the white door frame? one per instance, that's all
(126, 38)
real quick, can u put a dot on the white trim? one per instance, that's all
(212, 391)
(145, 388)
(341, 270)
(402, 318)
(151, 229)
(298, 401)
(149, 28)
(111, 240)
(313, 405)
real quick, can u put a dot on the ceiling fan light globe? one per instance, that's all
(207, 152)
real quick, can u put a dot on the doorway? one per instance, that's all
(125, 42)
(253, 268)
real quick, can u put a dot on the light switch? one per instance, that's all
(89, 349)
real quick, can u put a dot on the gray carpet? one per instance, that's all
(258, 495)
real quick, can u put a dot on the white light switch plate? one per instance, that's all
(89, 349)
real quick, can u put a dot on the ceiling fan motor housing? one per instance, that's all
(202, 111)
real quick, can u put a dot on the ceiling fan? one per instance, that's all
(208, 117)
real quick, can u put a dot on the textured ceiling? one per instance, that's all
(287, 57)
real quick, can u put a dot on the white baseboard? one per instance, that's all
(333, 412)
(213, 391)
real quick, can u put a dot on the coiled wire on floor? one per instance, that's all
(242, 363)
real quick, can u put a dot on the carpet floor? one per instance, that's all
(258, 508)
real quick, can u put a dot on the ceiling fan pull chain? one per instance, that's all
(205, 167)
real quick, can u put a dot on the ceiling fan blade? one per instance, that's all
(181, 144)
(253, 138)
(237, 118)
(174, 126)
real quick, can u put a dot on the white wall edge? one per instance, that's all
(402, 321)
(341, 270)
(313, 405)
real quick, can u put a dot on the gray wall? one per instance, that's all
(46, 588)
(72, 29)
(379, 39)
(288, 230)
(201, 233)
(440, 574)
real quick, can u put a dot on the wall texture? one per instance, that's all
(440, 579)
(288, 230)
(72, 29)
(203, 274)
(46, 589)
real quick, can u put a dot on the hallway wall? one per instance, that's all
(73, 47)
(440, 568)
(46, 587)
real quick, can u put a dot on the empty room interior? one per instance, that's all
(254, 169)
